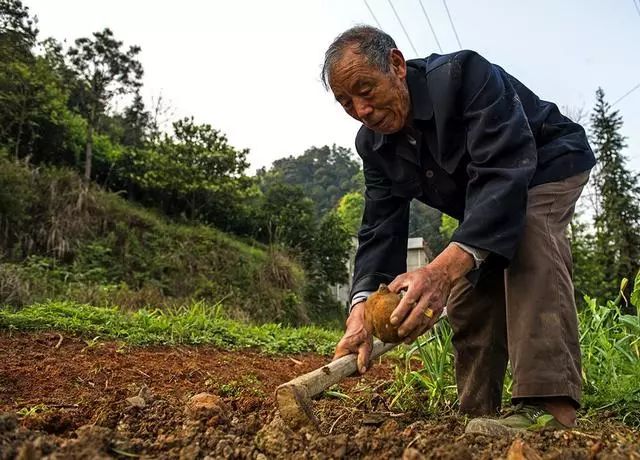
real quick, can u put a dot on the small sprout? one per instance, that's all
(33, 410)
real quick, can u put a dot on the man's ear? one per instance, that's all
(398, 64)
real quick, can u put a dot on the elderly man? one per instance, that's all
(463, 136)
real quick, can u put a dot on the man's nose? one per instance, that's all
(363, 108)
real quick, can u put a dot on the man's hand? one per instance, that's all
(356, 339)
(428, 289)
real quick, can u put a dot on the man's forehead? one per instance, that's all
(350, 65)
(352, 56)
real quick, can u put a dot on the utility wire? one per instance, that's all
(626, 94)
(636, 3)
(430, 25)
(374, 16)
(454, 27)
(402, 25)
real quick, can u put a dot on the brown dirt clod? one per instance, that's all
(519, 450)
(206, 405)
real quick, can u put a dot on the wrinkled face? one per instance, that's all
(379, 100)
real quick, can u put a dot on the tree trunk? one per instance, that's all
(88, 156)
(21, 122)
(16, 149)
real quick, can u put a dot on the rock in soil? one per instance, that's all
(519, 450)
(206, 406)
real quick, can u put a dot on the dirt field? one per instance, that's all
(65, 399)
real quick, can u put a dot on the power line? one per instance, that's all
(403, 29)
(453, 26)
(626, 94)
(374, 16)
(636, 3)
(430, 26)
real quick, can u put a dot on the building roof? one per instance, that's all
(415, 243)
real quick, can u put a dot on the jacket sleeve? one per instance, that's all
(503, 160)
(382, 238)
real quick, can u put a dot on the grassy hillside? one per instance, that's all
(60, 241)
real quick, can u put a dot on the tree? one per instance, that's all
(34, 117)
(18, 35)
(104, 71)
(132, 127)
(617, 219)
(287, 217)
(18, 31)
(137, 122)
(587, 277)
(325, 173)
(322, 245)
(349, 210)
(448, 226)
(331, 249)
(424, 222)
(195, 169)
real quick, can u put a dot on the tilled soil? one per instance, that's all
(66, 398)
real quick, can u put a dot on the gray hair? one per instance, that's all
(373, 43)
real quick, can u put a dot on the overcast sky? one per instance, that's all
(251, 68)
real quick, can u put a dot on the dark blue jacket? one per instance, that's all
(480, 139)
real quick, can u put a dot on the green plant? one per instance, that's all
(33, 410)
(247, 385)
(427, 374)
(610, 343)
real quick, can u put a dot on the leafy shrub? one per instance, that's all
(80, 243)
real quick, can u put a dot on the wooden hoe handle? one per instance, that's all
(294, 397)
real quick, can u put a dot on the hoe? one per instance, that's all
(294, 397)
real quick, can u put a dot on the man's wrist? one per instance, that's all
(479, 255)
(454, 261)
(356, 313)
(359, 297)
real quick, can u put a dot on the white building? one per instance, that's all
(418, 255)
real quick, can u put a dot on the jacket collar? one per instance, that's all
(421, 105)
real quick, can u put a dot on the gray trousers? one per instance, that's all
(525, 314)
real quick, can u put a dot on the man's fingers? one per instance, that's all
(425, 314)
(398, 283)
(435, 317)
(354, 339)
(340, 352)
(428, 324)
(417, 332)
(407, 303)
(414, 317)
(364, 353)
(348, 344)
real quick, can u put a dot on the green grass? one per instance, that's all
(610, 343)
(195, 324)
